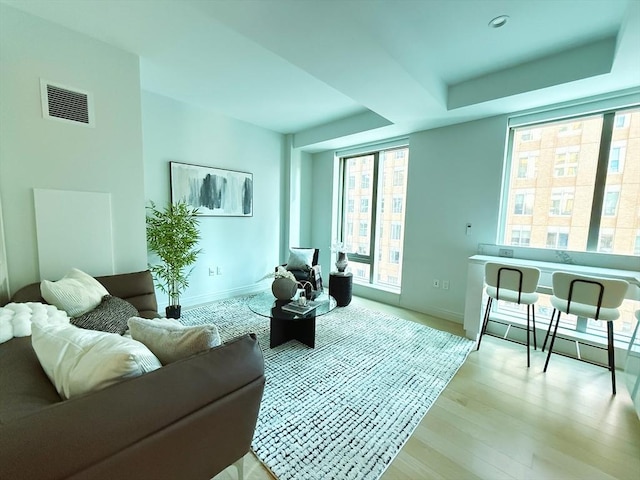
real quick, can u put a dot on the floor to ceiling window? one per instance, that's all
(372, 215)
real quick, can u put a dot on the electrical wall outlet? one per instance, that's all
(218, 270)
(505, 252)
(212, 271)
(436, 283)
(445, 284)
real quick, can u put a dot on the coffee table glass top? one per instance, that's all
(266, 305)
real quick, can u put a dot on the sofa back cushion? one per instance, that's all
(136, 288)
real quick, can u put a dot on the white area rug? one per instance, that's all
(344, 409)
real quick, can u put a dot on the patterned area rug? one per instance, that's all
(344, 409)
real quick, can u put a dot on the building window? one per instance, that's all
(527, 165)
(616, 157)
(621, 121)
(396, 231)
(378, 257)
(610, 206)
(557, 238)
(521, 235)
(605, 241)
(351, 205)
(636, 245)
(561, 201)
(523, 202)
(566, 164)
(396, 206)
(580, 189)
(364, 181)
(398, 177)
(352, 181)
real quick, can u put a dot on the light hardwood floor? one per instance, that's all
(498, 419)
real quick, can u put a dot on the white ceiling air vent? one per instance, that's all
(66, 104)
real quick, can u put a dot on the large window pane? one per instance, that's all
(359, 194)
(553, 201)
(373, 215)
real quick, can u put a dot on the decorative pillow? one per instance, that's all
(75, 293)
(300, 258)
(110, 316)
(16, 318)
(169, 340)
(78, 361)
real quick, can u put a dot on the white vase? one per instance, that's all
(342, 261)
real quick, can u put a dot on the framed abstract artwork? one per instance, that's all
(213, 191)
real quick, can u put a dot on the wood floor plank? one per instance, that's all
(499, 419)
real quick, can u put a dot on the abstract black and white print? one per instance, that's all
(213, 191)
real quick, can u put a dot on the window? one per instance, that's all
(557, 238)
(616, 157)
(521, 235)
(378, 256)
(605, 241)
(396, 207)
(364, 181)
(611, 196)
(566, 164)
(621, 121)
(581, 197)
(636, 246)
(561, 201)
(352, 181)
(527, 165)
(523, 202)
(396, 230)
(351, 205)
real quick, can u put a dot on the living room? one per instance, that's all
(138, 131)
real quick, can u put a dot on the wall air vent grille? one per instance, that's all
(66, 104)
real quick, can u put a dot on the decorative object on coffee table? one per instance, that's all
(285, 284)
(340, 287)
(173, 234)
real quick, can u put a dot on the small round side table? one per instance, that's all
(340, 287)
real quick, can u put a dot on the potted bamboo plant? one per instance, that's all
(172, 234)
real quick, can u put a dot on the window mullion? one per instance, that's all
(600, 181)
(374, 214)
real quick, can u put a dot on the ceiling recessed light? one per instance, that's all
(499, 21)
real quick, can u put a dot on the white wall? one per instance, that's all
(245, 248)
(451, 182)
(39, 153)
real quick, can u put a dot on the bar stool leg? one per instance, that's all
(485, 321)
(533, 316)
(546, 337)
(528, 339)
(612, 360)
(553, 339)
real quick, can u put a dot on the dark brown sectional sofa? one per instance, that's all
(187, 420)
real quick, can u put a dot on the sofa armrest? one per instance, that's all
(153, 426)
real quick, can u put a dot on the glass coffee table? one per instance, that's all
(286, 325)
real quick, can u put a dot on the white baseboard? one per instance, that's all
(198, 300)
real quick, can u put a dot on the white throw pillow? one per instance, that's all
(76, 293)
(300, 258)
(78, 361)
(169, 340)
